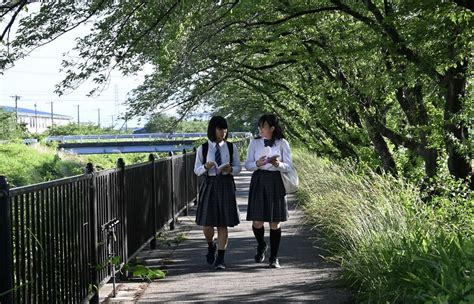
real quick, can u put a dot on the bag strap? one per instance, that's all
(230, 146)
(281, 150)
(205, 149)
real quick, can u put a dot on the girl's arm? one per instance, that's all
(250, 163)
(236, 166)
(286, 159)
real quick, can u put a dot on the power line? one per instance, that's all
(77, 92)
(68, 100)
(50, 74)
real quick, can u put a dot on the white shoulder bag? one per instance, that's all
(290, 179)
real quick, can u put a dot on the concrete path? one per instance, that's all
(303, 277)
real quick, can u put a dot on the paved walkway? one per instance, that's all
(304, 276)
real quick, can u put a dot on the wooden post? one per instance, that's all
(6, 245)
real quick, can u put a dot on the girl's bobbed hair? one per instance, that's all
(216, 122)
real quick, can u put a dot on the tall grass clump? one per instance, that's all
(392, 246)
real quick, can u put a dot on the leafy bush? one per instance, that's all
(160, 122)
(9, 129)
(79, 129)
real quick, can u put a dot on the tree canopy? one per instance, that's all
(388, 82)
(162, 123)
(9, 129)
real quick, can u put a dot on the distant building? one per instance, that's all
(40, 121)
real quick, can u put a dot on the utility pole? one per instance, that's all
(98, 117)
(78, 122)
(16, 106)
(36, 119)
(112, 121)
(52, 116)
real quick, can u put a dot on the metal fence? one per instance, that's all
(52, 243)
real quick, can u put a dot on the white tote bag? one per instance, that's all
(290, 179)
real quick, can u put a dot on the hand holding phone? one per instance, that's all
(226, 168)
(272, 159)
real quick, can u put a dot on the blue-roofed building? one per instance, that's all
(38, 121)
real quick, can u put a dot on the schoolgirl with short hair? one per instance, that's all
(217, 161)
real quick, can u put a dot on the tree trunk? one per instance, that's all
(430, 157)
(411, 102)
(456, 130)
(380, 145)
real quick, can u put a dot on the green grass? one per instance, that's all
(25, 165)
(393, 248)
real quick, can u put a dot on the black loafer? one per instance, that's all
(274, 263)
(211, 254)
(260, 256)
(219, 265)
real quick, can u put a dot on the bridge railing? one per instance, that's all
(52, 245)
(143, 136)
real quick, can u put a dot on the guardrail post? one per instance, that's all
(152, 158)
(123, 206)
(173, 200)
(6, 245)
(196, 197)
(186, 190)
(94, 276)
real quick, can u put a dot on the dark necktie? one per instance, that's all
(218, 155)
(268, 142)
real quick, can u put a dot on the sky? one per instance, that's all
(34, 79)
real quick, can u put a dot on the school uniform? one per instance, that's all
(217, 205)
(267, 197)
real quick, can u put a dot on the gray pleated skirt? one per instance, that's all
(217, 205)
(267, 197)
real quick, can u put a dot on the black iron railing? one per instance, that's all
(53, 246)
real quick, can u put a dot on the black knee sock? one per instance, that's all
(259, 234)
(275, 237)
(210, 244)
(220, 253)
